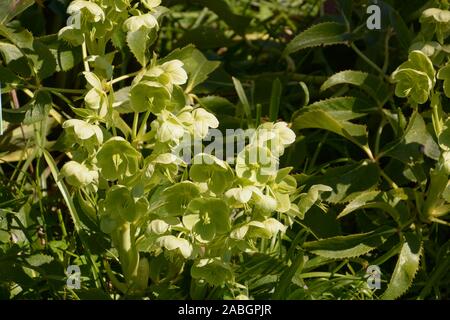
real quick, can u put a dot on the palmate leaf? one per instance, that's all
(322, 34)
(370, 84)
(406, 267)
(349, 246)
(139, 41)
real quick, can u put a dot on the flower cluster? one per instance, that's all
(149, 200)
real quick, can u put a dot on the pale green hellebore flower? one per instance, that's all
(78, 175)
(203, 120)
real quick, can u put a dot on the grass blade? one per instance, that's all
(275, 100)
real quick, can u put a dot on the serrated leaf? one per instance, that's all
(10, 52)
(66, 56)
(307, 200)
(40, 107)
(205, 37)
(139, 41)
(217, 105)
(22, 39)
(346, 181)
(342, 108)
(39, 259)
(333, 115)
(349, 246)
(406, 267)
(322, 34)
(370, 199)
(43, 60)
(415, 137)
(371, 84)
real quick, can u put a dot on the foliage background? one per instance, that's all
(38, 239)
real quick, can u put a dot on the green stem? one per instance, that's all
(124, 77)
(378, 136)
(143, 123)
(386, 50)
(54, 90)
(389, 180)
(437, 123)
(116, 283)
(366, 59)
(61, 223)
(84, 52)
(135, 125)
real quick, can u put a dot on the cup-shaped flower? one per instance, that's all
(79, 175)
(202, 121)
(438, 20)
(240, 195)
(215, 172)
(117, 159)
(256, 164)
(122, 206)
(274, 136)
(144, 20)
(151, 4)
(92, 10)
(208, 217)
(173, 243)
(169, 127)
(83, 132)
(169, 73)
(178, 197)
(149, 96)
(415, 78)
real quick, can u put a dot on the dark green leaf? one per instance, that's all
(40, 106)
(349, 246)
(323, 34)
(406, 267)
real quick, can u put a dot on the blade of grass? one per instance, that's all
(243, 99)
(275, 99)
(79, 226)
